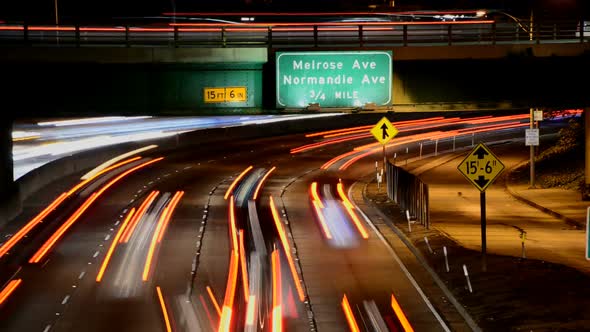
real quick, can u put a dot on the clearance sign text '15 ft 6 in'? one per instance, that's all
(232, 94)
(334, 79)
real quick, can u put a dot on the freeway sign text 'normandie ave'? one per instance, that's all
(334, 79)
(481, 167)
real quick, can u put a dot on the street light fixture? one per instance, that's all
(518, 22)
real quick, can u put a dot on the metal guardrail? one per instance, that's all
(371, 34)
(409, 192)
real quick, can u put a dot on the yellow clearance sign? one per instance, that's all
(233, 94)
(384, 131)
(481, 167)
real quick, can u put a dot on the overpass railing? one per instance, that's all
(304, 35)
(409, 192)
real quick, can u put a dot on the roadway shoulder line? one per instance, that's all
(468, 319)
(401, 264)
(295, 252)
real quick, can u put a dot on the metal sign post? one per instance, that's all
(481, 167)
(384, 157)
(482, 203)
(532, 152)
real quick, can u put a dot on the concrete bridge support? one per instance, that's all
(6, 176)
(9, 199)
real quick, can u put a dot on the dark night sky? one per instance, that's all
(42, 10)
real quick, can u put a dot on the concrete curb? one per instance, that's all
(539, 207)
(468, 319)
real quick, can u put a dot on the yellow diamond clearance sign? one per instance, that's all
(481, 167)
(384, 131)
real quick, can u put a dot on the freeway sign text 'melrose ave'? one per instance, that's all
(333, 79)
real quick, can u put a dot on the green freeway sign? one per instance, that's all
(334, 79)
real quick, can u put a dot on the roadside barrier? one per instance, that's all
(409, 192)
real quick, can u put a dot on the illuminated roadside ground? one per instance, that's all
(38, 143)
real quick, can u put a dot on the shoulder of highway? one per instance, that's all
(554, 243)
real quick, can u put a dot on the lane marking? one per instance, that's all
(47, 328)
(106, 238)
(95, 254)
(81, 275)
(65, 300)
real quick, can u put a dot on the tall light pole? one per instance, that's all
(56, 14)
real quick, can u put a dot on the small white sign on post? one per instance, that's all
(531, 137)
(538, 116)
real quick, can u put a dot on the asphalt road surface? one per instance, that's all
(60, 292)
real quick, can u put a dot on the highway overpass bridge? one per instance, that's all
(219, 69)
(168, 70)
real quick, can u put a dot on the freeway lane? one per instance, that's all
(364, 273)
(38, 143)
(66, 265)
